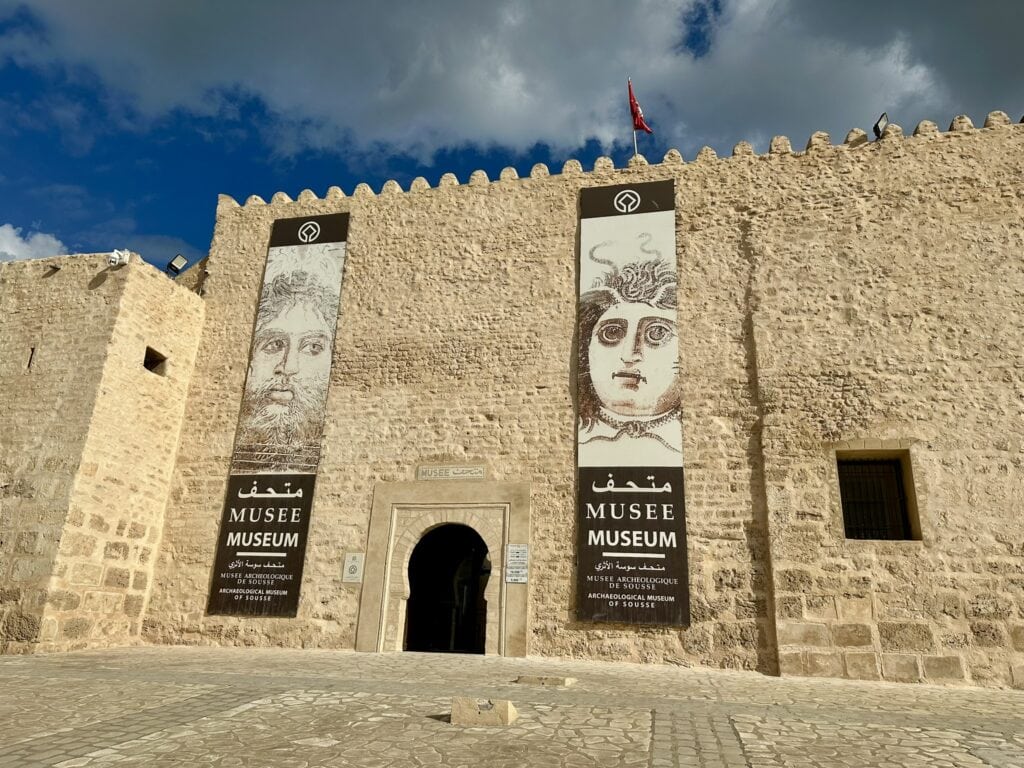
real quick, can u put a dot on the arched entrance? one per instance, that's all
(403, 513)
(446, 610)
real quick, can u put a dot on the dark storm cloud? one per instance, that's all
(413, 78)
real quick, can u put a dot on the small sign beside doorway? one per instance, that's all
(517, 560)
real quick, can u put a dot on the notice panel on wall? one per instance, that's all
(262, 543)
(631, 527)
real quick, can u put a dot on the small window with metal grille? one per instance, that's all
(877, 496)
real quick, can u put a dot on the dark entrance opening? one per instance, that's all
(447, 612)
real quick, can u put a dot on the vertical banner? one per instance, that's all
(262, 543)
(631, 527)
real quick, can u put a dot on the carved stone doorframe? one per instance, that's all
(402, 513)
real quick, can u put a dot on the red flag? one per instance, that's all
(638, 114)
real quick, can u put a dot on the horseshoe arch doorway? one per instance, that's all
(447, 610)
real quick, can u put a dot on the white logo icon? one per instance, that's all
(309, 232)
(626, 201)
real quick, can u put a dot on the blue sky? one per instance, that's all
(120, 121)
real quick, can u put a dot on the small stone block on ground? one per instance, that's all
(1017, 675)
(546, 680)
(469, 711)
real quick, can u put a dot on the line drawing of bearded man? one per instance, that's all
(285, 395)
(628, 364)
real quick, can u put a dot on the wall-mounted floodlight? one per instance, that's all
(883, 121)
(118, 258)
(177, 264)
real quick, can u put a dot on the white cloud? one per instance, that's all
(393, 76)
(35, 246)
(765, 75)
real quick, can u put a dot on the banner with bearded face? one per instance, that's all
(286, 387)
(631, 531)
(261, 547)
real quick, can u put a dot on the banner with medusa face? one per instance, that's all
(631, 528)
(262, 542)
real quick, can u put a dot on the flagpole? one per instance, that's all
(629, 85)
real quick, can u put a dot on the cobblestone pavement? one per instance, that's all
(270, 708)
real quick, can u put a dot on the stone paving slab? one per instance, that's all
(74, 703)
(306, 727)
(258, 708)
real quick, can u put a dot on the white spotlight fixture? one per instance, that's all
(175, 265)
(118, 258)
(883, 121)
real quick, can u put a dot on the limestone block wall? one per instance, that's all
(456, 340)
(842, 297)
(56, 319)
(105, 560)
(103, 428)
(889, 316)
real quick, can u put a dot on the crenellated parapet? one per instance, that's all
(818, 143)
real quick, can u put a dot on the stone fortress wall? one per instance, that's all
(89, 437)
(859, 297)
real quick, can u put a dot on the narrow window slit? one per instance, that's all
(155, 362)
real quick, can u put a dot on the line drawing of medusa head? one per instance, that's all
(286, 388)
(628, 357)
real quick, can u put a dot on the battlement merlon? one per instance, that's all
(818, 142)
